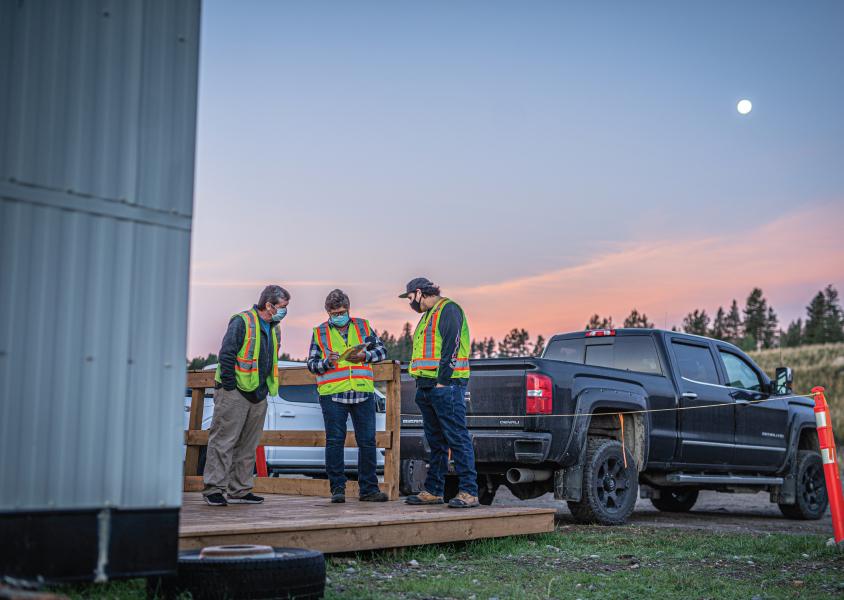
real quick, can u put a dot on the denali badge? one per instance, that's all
(509, 422)
(411, 421)
(773, 435)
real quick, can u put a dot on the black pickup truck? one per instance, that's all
(553, 424)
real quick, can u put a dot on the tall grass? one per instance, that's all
(821, 364)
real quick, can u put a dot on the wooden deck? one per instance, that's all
(312, 522)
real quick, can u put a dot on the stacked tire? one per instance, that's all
(284, 573)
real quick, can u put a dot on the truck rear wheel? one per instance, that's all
(811, 488)
(609, 488)
(676, 499)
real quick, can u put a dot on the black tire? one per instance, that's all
(609, 489)
(412, 476)
(292, 573)
(812, 499)
(676, 499)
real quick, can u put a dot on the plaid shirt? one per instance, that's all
(318, 365)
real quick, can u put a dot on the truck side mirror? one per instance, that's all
(784, 379)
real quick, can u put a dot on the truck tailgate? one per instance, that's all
(495, 398)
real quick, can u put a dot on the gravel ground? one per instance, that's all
(712, 512)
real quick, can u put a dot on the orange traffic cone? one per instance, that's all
(830, 464)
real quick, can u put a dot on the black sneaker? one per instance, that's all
(247, 499)
(215, 499)
(338, 496)
(375, 497)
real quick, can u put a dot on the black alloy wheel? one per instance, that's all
(609, 488)
(812, 499)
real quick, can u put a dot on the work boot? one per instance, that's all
(374, 497)
(464, 500)
(423, 497)
(338, 496)
(215, 499)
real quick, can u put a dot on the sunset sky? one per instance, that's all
(540, 161)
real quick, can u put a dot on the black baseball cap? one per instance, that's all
(419, 283)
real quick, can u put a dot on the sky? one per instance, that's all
(539, 161)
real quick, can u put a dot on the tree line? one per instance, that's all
(755, 326)
(752, 327)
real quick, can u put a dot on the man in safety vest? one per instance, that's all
(341, 349)
(247, 372)
(440, 365)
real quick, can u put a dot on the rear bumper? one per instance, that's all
(491, 446)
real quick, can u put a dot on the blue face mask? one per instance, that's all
(279, 315)
(339, 320)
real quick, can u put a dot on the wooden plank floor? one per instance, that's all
(313, 522)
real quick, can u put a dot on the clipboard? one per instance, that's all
(352, 350)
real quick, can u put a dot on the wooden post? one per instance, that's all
(389, 371)
(392, 462)
(197, 405)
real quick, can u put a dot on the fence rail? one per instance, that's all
(196, 437)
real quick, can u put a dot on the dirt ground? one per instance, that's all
(713, 512)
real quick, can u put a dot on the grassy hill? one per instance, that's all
(822, 364)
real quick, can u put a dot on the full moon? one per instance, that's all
(744, 107)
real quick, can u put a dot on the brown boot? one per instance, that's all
(463, 500)
(423, 497)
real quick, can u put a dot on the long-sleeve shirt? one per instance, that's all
(318, 365)
(450, 325)
(232, 342)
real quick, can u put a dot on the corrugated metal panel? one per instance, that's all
(97, 130)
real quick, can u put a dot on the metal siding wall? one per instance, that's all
(97, 130)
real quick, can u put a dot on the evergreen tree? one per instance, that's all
(756, 317)
(696, 322)
(815, 318)
(824, 318)
(834, 319)
(404, 344)
(637, 319)
(596, 322)
(733, 327)
(718, 330)
(539, 346)
(793, 336)
(490, 348)
(514, 343)
(769, 331)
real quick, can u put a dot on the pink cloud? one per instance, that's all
(790, 258)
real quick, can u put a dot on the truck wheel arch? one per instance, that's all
(600, 408)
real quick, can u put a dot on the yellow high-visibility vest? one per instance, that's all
(427, 345)
(345, 376)
(246, 364)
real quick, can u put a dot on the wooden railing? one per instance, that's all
(195, 436)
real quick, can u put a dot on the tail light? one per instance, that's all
(600, 332)
(539, 394)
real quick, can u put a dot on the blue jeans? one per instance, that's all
(335, 415)
(444, 419)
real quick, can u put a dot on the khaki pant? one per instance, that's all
(235, 432)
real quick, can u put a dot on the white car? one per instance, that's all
(296, 408)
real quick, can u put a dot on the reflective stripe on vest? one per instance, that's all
(427, 345)
(346, 376)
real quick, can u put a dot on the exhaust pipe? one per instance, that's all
(527, 475)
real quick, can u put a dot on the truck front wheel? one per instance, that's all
(811, 488)
(609, 488)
